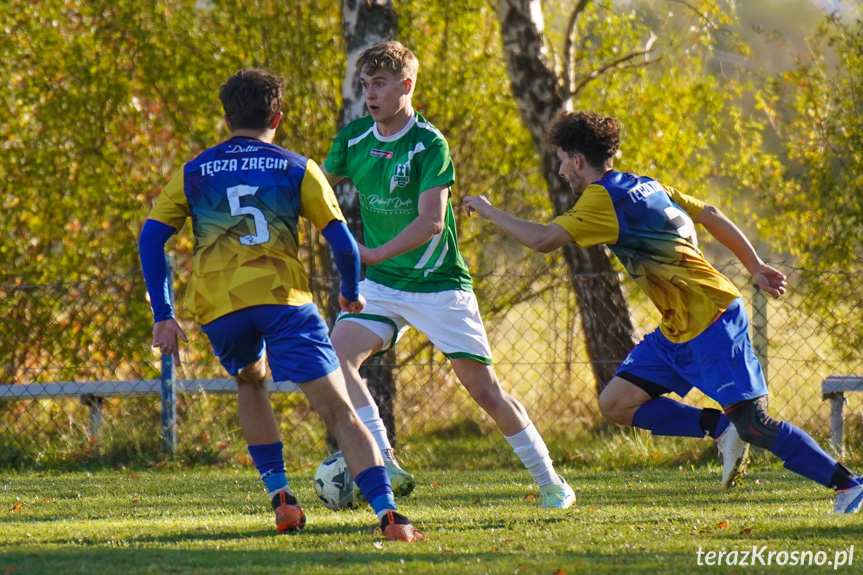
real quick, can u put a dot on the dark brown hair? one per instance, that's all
(251, 99)
(587, 133)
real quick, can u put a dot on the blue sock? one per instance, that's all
(664, 416)
(800, 454)
(374, 483)
(270, 463)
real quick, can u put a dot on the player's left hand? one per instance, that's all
(352, 306)
(165, 336)
(770, 280)
(368, 256)
(476, 204)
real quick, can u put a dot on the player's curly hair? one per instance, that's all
(251, 98)
(587, 133)
(389, 56)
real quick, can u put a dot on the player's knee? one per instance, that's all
(253, 374)
(613, 410)
(753, 424)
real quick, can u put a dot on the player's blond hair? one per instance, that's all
(389, 56)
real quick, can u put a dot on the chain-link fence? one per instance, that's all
(99, 331)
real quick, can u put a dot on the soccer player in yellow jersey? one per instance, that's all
(703, 339)
(249, 289)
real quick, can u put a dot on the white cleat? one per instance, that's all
(735, 455)
(557, 496)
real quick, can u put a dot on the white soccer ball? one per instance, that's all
(334, 484)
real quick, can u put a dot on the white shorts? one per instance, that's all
(450, 319)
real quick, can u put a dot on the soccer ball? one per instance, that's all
(334, 484)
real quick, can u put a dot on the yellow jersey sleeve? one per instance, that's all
(690, 205)
(318, 201)
(592, 220)
(172, 208)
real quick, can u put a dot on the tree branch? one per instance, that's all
(700, 14)
(569, 47)
(615, 65)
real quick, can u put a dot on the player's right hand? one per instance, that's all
(352, 306)
(165, 336)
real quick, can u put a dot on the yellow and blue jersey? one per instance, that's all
(649, 228)
(245, 198)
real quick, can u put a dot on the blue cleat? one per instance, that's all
(849, 500)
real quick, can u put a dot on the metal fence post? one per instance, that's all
(169, 417)
(759, 328)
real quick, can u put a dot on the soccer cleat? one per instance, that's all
(397, 527)
(735, 454)
(848, 500)
(289, 515)
(557, 496)
(402, 482)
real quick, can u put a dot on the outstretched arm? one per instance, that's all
(151, 245)
(729, 235)
(539, 237)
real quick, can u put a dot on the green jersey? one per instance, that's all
(390, 173)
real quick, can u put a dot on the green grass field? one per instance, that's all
(217, 520)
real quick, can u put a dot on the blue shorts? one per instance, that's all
(295, 338)
(719, 361)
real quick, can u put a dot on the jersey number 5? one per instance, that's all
(687, 230)
(262, 228)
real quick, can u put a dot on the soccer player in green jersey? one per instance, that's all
(401, 167)
(703, 338)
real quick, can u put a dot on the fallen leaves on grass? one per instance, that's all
(529, 496)
(746, 531)
(722, 525)
(436, 484)
(16, 507)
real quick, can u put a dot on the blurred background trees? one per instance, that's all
(756, 110)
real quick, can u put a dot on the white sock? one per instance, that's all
(371, 418)
(531, 449)
(286, 489)
(383, 512)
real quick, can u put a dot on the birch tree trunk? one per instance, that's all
(364, 24)
(540, 92)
